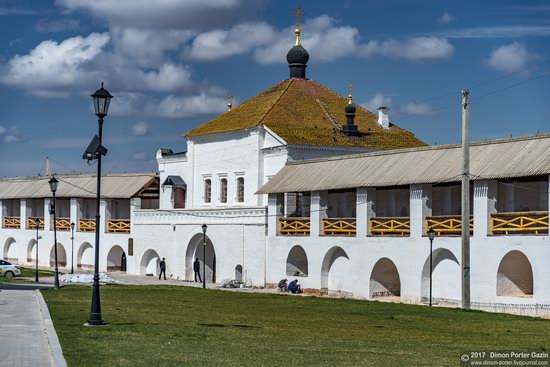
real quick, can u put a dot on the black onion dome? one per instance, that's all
(297, 55)
(350, 108)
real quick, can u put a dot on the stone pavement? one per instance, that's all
(27, 337)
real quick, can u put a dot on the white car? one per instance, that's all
(9, 270)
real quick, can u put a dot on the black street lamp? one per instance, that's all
(37, 225)
(101, 100)
(53, 186)
(72, 247)
(204, 228)
(431, 236)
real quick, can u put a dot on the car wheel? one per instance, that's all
(9, 274)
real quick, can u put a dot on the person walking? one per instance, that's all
(162, 268)
(197, 269)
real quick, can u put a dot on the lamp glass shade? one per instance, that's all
(431, 234)
(72, 225)
(204, 227)
(53, 184)
(101, 99)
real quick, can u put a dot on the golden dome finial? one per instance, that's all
(229, 102)
(298, 14)
(350, 97)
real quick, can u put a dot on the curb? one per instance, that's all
(51, 335)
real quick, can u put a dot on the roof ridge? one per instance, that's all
(328, 114)
(274, 104)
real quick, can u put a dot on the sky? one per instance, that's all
(170, 65)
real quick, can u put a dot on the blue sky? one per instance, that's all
(170, 65)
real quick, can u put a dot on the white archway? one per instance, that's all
(85, 257)
(384, 279)
(116, 259)
(446, 276)
(31, 252)
(61, 256)
(10, 250)
(195, 250)
(239, 273)
(515, 275)
(334, 269)
(149, 264)
(296, 262)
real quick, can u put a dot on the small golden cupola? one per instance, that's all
(350, 128)
(297, 57)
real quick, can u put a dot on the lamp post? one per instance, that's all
(53, 186)
(37, 238)
(72, 247)
(101, 100)
(431, 236)
(204, 228)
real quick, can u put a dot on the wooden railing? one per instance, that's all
(118, 226)
(11, 222)
(63, 224)
(31, 222)
(519, 223)
(294, 226)
(447, 225)
(86, 225)
(339, 226)
(393, 226)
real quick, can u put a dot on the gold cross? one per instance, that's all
(229, 102)
(350, 88)
(298, 13)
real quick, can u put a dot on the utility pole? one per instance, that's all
(465, 200)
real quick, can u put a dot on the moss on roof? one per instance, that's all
(304, 112)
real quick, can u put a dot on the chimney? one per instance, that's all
(383, 117)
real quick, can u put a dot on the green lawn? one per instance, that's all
(181, 326)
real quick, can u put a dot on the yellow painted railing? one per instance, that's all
(12, 222)
(63, 224)
(447, 225)
(395, 226)
(118, 225)
(31, 223)
(294, 226)
(339, 226)
(519, 223)
(86, 225)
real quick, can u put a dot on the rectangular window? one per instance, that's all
(207, 191)
(223, 190)
(240, 190)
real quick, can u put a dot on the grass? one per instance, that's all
(181, 326)
(27, 273)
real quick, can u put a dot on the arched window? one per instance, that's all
(207, 190)
(240, 190)
(179, 198)
(223, 190)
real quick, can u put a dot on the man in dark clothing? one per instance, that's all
(197, 269)
(162, 268)
(282, 285)
(294, 287)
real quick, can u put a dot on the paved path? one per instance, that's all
(26, 331)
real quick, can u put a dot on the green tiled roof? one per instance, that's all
(304, 112)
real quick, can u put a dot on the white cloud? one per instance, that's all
(498, 32)
(445, 19)
(140, 128)
(508, 58)
(416, 48)
(50, 67)
(186, 106)
(379, 100)
(139, 156)
(11, 135)
(419, 109)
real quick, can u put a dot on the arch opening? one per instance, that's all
(333, 270)
(150, 263)
(31, 251)
(515, 275)
(85, 256)
(384, 279)
(61, 256)
(239, 273)
(296, 262)
(116, 259)
(446, 277)
(9, 250)
(195, 249)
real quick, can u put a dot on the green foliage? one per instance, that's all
(181, 326)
